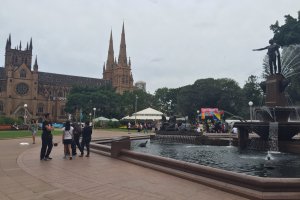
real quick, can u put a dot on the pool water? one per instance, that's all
(281, 165)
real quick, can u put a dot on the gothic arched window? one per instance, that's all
(40, 108)
(1, 106)
(22, 73)
(62, 110)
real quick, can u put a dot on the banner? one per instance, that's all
(211, 112)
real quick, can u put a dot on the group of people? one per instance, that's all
(70, 138)
(140, 126)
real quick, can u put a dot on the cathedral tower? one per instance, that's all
(16, 57)
(119, 73)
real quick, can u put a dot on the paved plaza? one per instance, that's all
(24, 176)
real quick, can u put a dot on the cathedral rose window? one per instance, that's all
(22, 88)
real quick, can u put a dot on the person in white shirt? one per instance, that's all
(67, 138)
(235, 130)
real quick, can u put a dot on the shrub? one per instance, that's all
(8, 120)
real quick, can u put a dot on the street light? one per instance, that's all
(94, 109)
(136, 98)
(250, 106)
(198, 116)
(90, 117)
(25, 113)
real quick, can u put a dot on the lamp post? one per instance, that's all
(198, 116)
(94, 109)
(25, 113)
(90, 117)
(136, 98)
(250, 106)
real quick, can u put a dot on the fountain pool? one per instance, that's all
(230, 158)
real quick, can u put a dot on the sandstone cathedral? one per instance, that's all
(23, 84)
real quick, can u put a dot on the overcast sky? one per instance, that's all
(171, 43)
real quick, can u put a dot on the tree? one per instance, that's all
(128, 99)
(224, 94)
(104, 99)
(252, 91)
(289, 33)
(165, 100)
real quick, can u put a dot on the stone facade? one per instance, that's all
(119, 73)
(21, 83)
(42, 92)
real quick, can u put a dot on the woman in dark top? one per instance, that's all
(86, 138)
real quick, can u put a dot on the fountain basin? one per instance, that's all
(286, 130)
(273, 114)
(248, 186)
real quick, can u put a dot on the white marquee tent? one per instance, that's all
(102, 119)
(146, 114)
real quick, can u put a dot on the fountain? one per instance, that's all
(274, 118)
(250, 174)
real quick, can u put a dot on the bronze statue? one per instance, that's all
(273, 53)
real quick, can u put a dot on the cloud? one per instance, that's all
(171, 43)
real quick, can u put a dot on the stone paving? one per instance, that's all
(24, 176)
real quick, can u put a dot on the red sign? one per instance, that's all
(209, 110)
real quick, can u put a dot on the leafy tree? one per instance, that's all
(252, 91)
(104, 99)
(142, 99)
(224, 94)
(288, 33)
(165, 100)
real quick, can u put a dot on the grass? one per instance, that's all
(25, 133)
(21, 134)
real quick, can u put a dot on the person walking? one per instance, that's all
(145, 127)
(33, 129)
(86, 139)
(47, 138)
(76, 136)
(128, 127)
(67, 138)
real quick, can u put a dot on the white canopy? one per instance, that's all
(114, 120)
(146, 114)
(100, 119)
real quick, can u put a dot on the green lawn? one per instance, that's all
(20, 134)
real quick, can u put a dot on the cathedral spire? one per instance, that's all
(30, 45)
(8, 42)
(110, 56)
(129, 62)
(122, 54)
(20, 47)
(35, 66)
